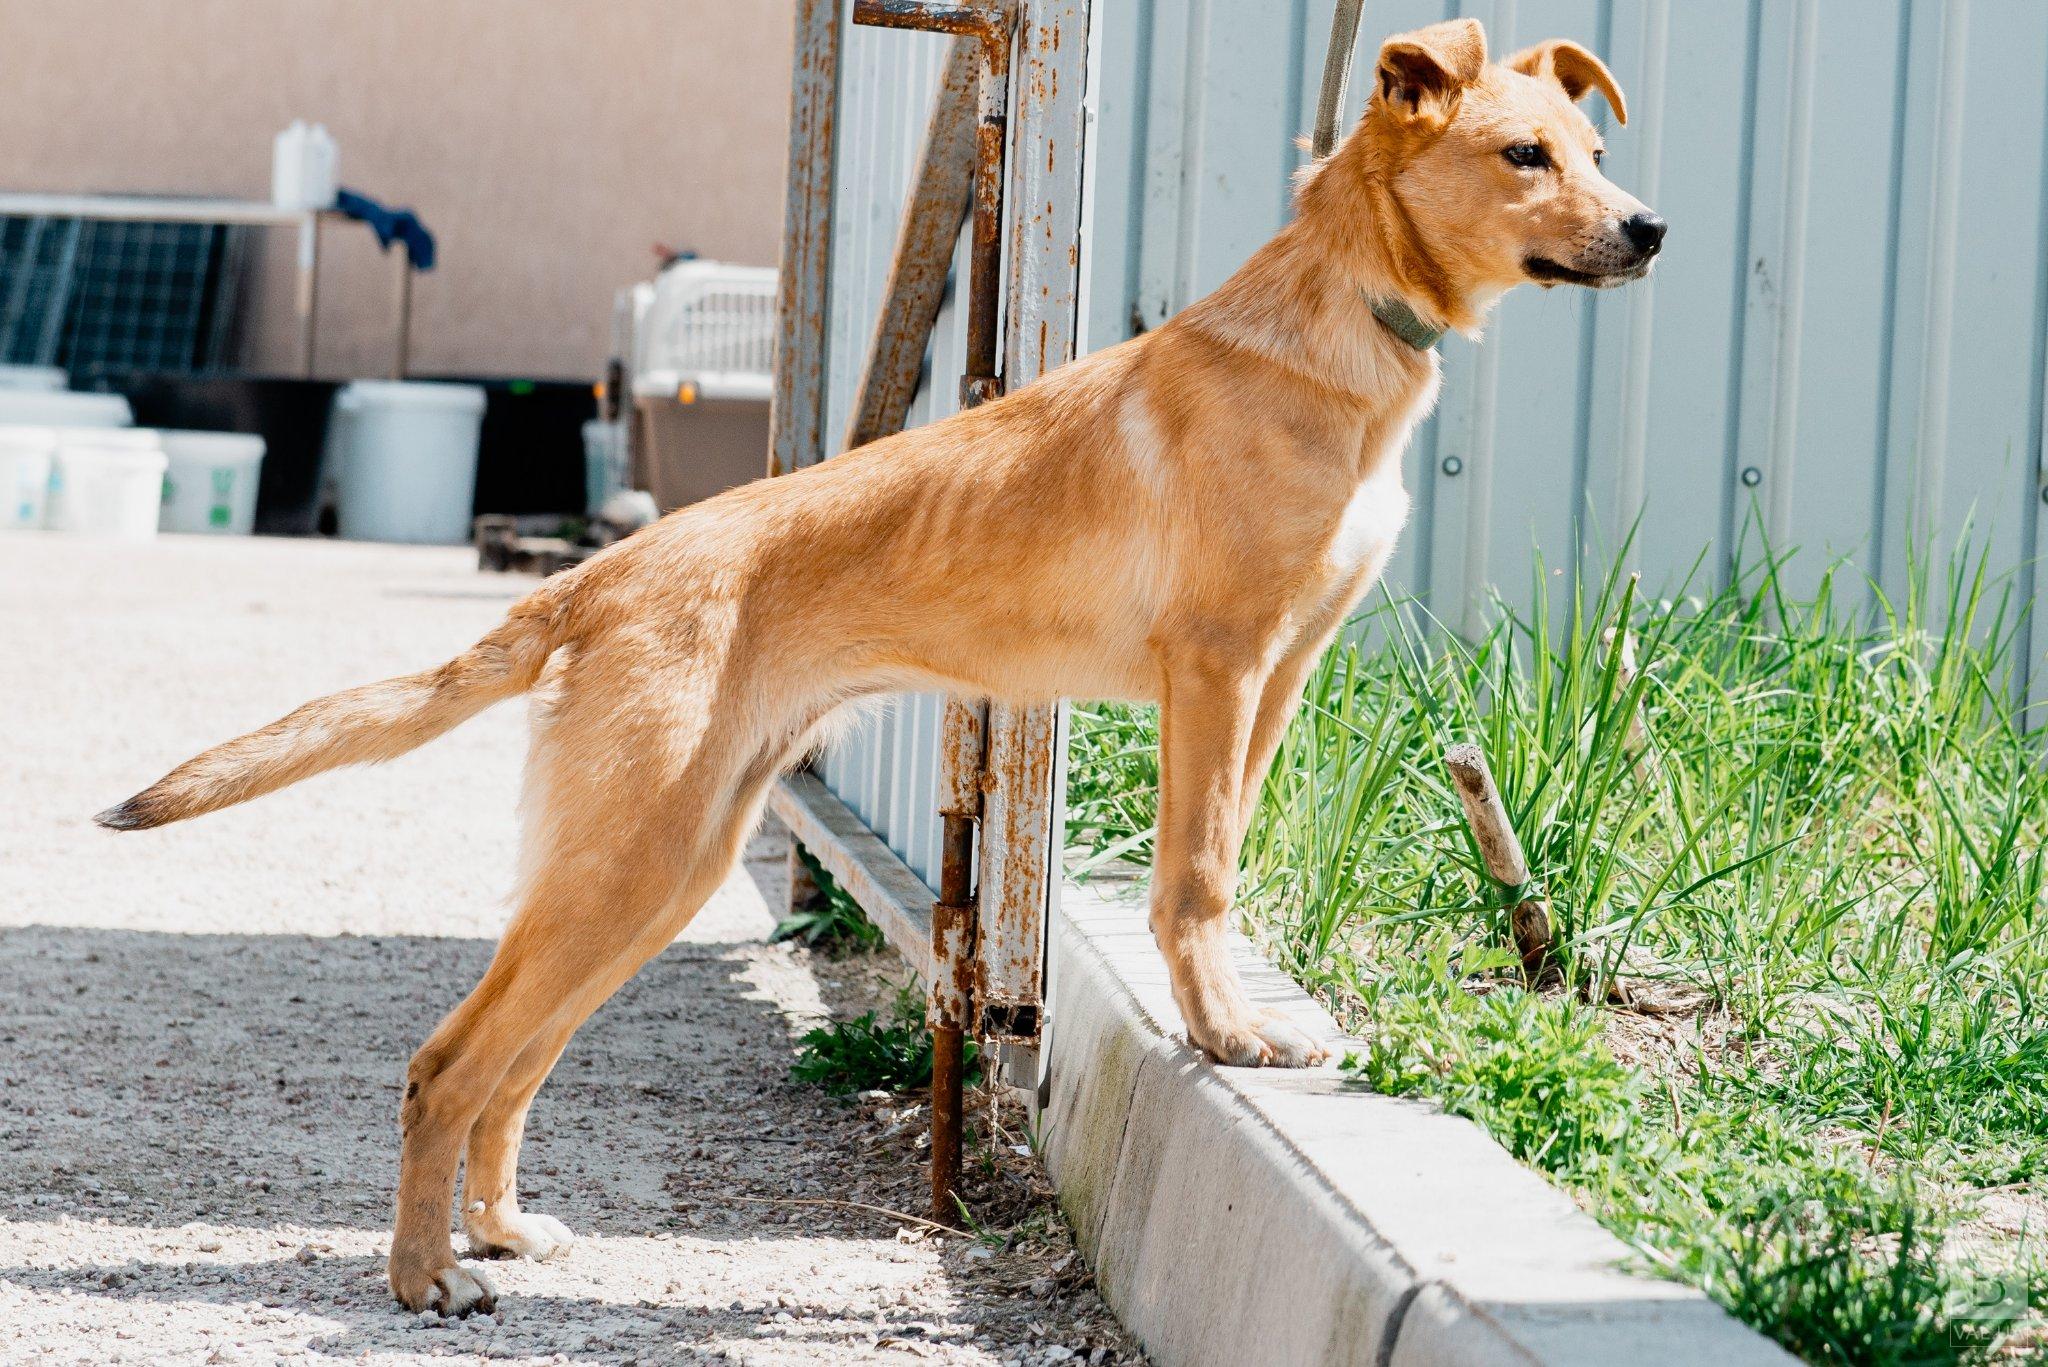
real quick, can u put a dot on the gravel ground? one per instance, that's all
(204, 1029)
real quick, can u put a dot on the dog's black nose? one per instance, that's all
(1646, 231)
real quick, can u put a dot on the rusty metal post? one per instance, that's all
(954, 936)
(796, 417)
(1019, 839)
(951, 1008)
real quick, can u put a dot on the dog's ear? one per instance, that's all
(1574, 68)
(1422, 74)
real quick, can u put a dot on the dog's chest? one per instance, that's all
(1369, 524)
(1372, 517)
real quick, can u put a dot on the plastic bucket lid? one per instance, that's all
(361, 394)
(41, 378)
(14, 436)
(110, 438)
(64, 408)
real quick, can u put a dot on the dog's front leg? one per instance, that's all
(1205, 732)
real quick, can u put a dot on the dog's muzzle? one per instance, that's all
(1625, 255)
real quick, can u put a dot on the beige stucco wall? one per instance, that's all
(550, 144)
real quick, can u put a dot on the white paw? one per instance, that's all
(1263, 1041)
(454, 1291)
(1288, 1045)
(519, 1235)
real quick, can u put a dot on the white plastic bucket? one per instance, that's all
(64, 408)
(109, 489)
(39, 378)
(96, 438)
(210, 482)
(407, 459)
(26, 454)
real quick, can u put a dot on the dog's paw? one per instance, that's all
(452, 1290)
(515, 1235)
(1270, 1040)
(1288, 1044)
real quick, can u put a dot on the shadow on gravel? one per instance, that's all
(155, 1079)
(250, 1085)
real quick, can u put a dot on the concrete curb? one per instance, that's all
(1240, 1215)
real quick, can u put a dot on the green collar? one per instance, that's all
(1400, 320)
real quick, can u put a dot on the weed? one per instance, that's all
(869, 1053)
(831, 921)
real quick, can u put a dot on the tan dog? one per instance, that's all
(1186, 518)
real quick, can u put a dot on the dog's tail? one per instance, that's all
(378, 721)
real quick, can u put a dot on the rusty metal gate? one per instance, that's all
(939, 818)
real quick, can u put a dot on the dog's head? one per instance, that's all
(1491, 170)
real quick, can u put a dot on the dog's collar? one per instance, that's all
(1402, 321)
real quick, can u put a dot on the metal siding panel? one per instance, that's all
(1234, 185)
(1694, 330)
(1761, 295)
(1986, 430)
(2035, 680)
(1836, 427)
(1160, 247)
(1793, 204)
(1618, 345)
(1113, 204)
(1919, 143)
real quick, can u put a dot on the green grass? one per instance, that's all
(874, 1052)
(830, 922)
(1830, 859)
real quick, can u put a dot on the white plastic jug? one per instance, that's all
(303, 164)
(108, 488)
(210, 482)
(25, 457)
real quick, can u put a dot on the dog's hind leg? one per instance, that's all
(642, 817)
(491, 1216)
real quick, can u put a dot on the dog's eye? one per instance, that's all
(1527, 155)
(1599, 155)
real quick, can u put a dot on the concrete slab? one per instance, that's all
(1251, 1215)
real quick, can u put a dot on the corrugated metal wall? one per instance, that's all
(1847, 332)
(1847, 337)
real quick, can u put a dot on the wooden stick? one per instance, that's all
(1501, 851)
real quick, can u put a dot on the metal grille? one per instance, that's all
(101, 298)
(36, 259)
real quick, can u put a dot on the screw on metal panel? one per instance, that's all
(1751, 476)
(1453, 466)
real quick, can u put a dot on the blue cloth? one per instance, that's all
(390, 225)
